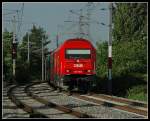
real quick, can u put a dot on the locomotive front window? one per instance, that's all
(77, 53)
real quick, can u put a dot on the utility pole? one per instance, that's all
(45, 67)
(14, 50)
(57, 39)
(110, 51)
(84, 20)
(82, 23)
(81, 33)
(89, 4)
(42, 61)
(28, 49)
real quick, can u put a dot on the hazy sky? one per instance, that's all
(49, 15)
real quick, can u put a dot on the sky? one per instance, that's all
(50, 15)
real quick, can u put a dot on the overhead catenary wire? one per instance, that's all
(19, 15)
(23, 22)
(86, 20)
(10, 9)
(9, 13)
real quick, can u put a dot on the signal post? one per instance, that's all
(14, 50)
(110, 51)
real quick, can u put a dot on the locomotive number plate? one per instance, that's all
(77, 65)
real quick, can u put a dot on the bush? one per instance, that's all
(127, 57)
(23, 73)
(138, 93)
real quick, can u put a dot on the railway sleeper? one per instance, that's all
(37, 115)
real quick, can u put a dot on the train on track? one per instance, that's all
(72, 65)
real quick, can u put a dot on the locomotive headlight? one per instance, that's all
(67, 70)
(88, 70)
(78, 60)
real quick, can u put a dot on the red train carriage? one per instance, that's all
(73, 64)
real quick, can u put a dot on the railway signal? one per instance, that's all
(28, 49)
(110, 51)
(14, 50)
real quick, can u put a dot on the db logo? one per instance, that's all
(78, 65)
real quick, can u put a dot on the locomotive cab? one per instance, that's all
(78, 61)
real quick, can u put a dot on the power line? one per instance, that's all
(19, 14)
(23, 22)
(81, 32)
(9, 13)
(85, 20)
(10, 9)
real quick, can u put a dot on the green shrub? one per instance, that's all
(127, 57)
(22, 73)
(137, 93)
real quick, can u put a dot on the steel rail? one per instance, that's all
(32, 112)
(121, 100)
(129, 108)
(110, 104)
(56, 106)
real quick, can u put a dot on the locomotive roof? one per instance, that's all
(69, 40)
(73, 39)
(76, 39)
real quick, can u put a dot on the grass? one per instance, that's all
(132, 86)
(137, 93)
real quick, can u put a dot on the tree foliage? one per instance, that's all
(102, 59)
(130, 21)
(7, 57)
(36, 36)
(129, 51)
(24, 70)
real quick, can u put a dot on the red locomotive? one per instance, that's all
(72, 64)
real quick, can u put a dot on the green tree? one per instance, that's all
(130, 37)
(130, 21)
(101, 60)
(7, 55)
(129, 51)
(36, 35)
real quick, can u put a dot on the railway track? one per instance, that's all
(90, 105)
(117, 103)
(122, 100)
(17, 100)
(38, 107)
(57, 106)
(124, 104)
(39, 100)
(10, 110)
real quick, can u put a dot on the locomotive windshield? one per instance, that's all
(78, 53)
